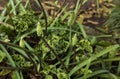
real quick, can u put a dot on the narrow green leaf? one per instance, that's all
(13, 6)
(86, 69)
(2, 56)
(82, 30)
(20, 51)
(94, 57)
(95, 73)
(118, 69)
(11, 61)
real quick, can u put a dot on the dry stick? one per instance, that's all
(27, 51)
(54, 53)
(17, 68)
(43, 10)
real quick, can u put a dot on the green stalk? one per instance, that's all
(10, 61)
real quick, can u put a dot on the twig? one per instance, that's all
(16, 68)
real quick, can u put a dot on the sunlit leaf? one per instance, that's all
(2, 56)
(48, 77)
(4, 72)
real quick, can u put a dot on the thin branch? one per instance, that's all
(16, 68)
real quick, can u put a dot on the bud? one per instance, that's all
(39, 29)
(80, 19)
(56, 3)
(48, 77)
(21, 43)
(7, 40)
(70, 21)
(74, 40)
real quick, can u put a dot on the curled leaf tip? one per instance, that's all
(21, 43)
(39, 29)
(74, 39)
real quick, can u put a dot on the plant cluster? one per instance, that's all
(53, 48)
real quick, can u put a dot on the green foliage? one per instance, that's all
(74, 40)
(4, 72)
(20, 61)
(56, 41)
(4, 37)
(86, 46)
(39, 29)
(113, 22)
(21, 43)
(63, 51)
(24, 21)
(2, 56)
(48, 77)
(53, 70)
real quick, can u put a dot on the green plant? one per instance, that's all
(53, 48)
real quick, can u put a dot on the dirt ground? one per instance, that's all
(92, 18)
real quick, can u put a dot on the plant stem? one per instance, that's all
(16, 68)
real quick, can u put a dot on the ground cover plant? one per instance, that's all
(59, 44)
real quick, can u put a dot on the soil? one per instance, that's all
(92, 18)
